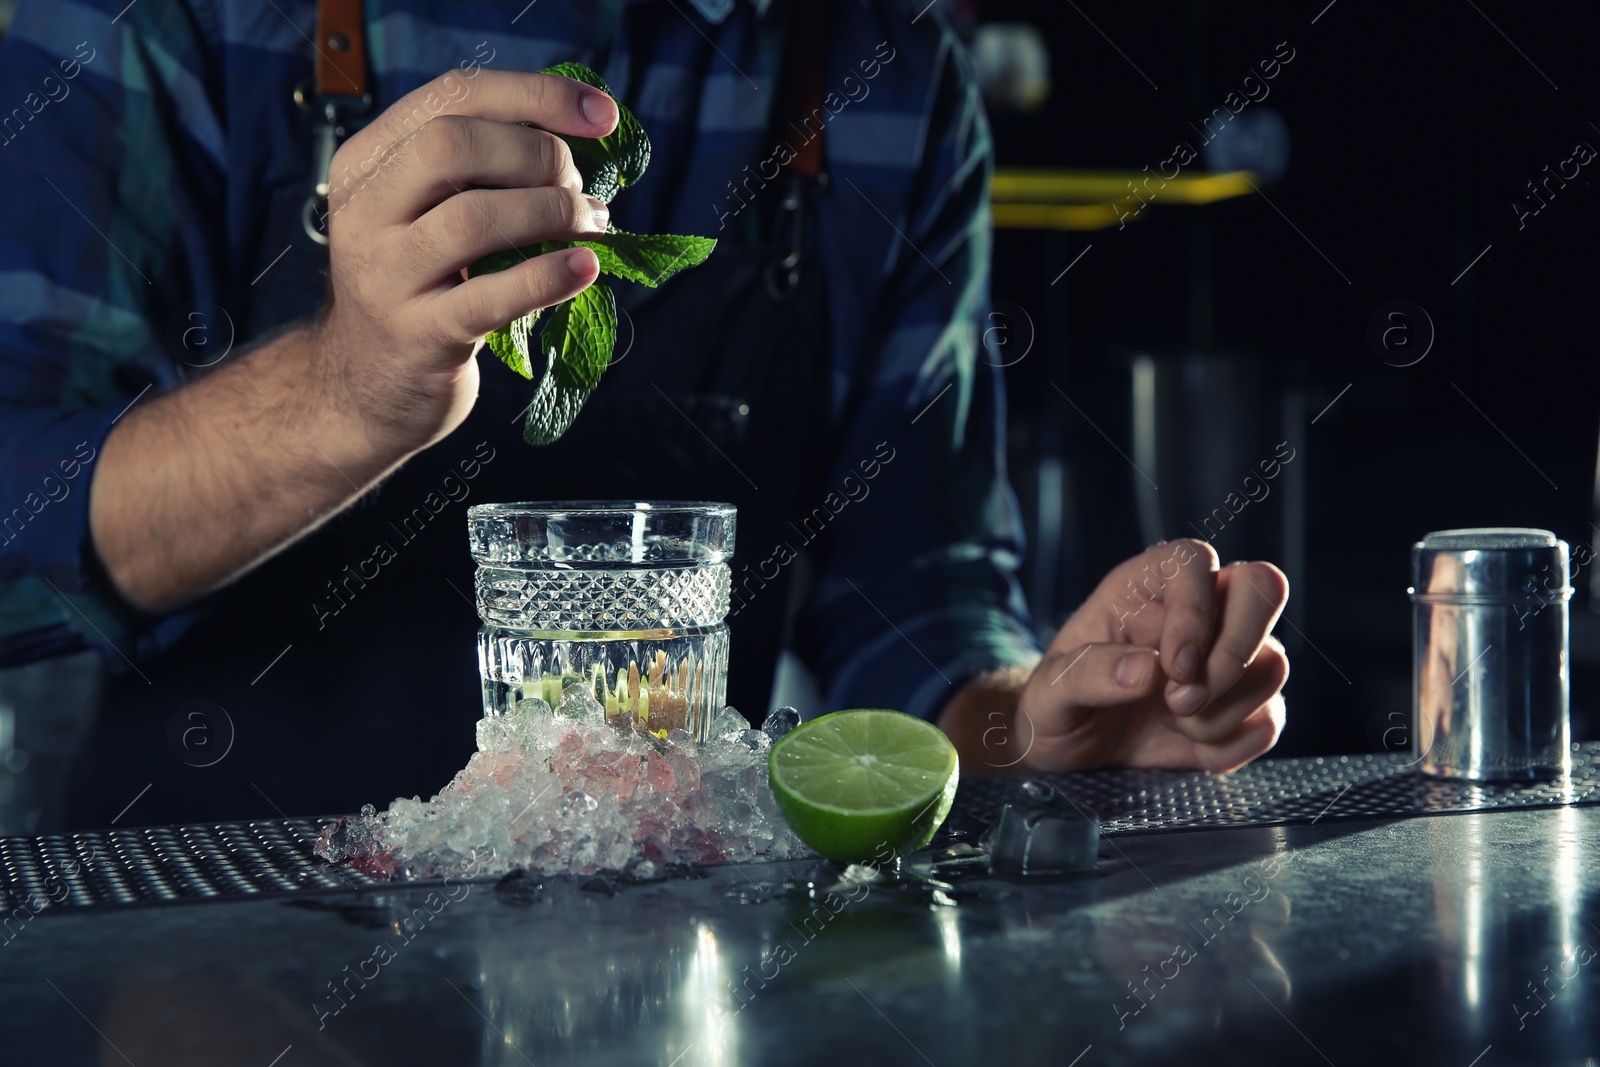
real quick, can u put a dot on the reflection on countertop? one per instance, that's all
(1426, 939)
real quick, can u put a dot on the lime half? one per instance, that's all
(866, 784)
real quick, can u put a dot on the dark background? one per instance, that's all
(1413, 128)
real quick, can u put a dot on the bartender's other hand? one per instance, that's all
(1169, 663)
(440, 179)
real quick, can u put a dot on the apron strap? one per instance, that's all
(337, 93)
(341, 49)
(800, 95)
(801, 88)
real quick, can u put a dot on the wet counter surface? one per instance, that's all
(1457, 939)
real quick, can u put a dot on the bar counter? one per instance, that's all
(1220, 928)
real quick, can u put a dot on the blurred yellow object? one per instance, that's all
(1097, 199)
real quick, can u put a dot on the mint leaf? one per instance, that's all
(578, 337)
(620, 157)
(601, 179)
(553, 410)
(512, 343)
(648, 258)
(628, 146)
(577, 340)
(579, 73)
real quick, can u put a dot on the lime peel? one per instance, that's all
(866, 783)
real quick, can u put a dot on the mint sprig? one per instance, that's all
(572, 347)
(579, 336)
(649, 259)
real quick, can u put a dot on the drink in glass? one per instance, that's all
(623, 600)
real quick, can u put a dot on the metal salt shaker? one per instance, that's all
(1489, 646)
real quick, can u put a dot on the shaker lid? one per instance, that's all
(1492, 563)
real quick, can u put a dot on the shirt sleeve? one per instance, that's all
(112, 159)
(916, 590)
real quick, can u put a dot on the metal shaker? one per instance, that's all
(1489, 647)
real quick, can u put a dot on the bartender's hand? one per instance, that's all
(197, 486)
(406, 217)
(1169, 663)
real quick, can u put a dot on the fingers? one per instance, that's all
(1252, 597)
(1189, 571)
(1251, 738)
(452, 133)
(1102, 703)
(1131, 600)
(474, 308)
(453, 152)
(1095, 676)
(464, 228)
(1064, 728)
(552, 103)
(1253, 688)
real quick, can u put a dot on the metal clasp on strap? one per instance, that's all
(329, 134)
(782, 276)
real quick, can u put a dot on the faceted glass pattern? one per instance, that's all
(535, 598)
(662, 680)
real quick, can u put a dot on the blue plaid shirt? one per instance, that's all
(140, 143)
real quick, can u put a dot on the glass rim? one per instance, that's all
(600, 508)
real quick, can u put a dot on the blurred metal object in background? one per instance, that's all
(1490, 654)
(45, 708)
(1594, 543)
(1222, 434)
(1013, 66)
(1221, 438)
(1256, 140)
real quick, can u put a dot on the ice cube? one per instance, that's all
(555, 792)
(858, 875)
(1041, 833)
(578, 702)
(780, 722)
(494, 735)
(728, 721)
(1034, 789)
(532, 707)
(957, 861)
(642, 870)
(577, 802)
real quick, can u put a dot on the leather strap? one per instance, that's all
(341, 49)
(802, 87)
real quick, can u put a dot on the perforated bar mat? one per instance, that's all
(168, 863)
(1278, 792)
(231, 860)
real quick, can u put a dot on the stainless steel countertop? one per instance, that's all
(1453, 939)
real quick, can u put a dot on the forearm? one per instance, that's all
(197, 487)
(981, 721)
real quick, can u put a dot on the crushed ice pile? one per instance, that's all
(564, 791)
